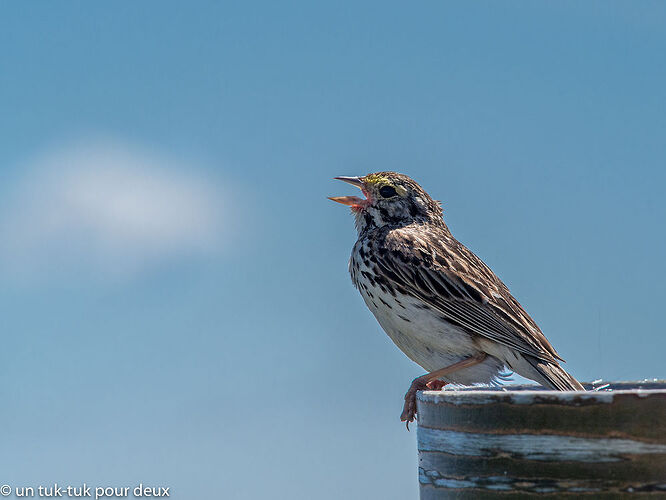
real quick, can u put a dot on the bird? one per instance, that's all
(437, 301)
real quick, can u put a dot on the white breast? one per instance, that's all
(419, 331)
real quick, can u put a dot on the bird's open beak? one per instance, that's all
(352, 201)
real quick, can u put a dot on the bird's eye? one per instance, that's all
(387, 191)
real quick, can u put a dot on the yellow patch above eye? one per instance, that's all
(374, 179)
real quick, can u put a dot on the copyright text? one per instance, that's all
(84, 491)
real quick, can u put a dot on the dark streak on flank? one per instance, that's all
(385, 303)
(369, 277)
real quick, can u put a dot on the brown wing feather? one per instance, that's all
(448, 277)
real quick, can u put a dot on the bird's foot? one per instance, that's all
(436, 385)
(409, 408)
(430, 381)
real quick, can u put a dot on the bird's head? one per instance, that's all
(390, 199)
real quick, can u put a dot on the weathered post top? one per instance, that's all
(522, 441)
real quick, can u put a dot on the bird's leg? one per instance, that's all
(420, 383)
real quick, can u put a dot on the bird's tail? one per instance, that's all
(551, 375)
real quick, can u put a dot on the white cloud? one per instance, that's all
(108, 210)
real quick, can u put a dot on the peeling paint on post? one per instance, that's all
(520, 441)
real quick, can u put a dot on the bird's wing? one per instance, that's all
(449, 278)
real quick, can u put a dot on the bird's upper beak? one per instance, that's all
(354, 181)
(352, 201)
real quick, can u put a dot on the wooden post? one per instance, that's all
(521, 441)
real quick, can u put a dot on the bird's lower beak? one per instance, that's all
(352, 201)
(347, 200)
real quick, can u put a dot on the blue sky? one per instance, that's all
(176, 304)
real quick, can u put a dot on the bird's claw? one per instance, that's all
(408, 412)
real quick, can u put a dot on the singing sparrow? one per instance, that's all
(438, 302)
